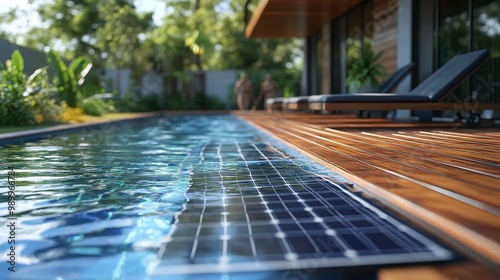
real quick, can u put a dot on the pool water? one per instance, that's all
(110, 192)
(127, 202)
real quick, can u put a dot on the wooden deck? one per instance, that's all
(443, 178)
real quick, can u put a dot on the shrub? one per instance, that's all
(97, 107)
(174, 102)
(68, 79)
(206, 102)
(200, 101)
(364, 68)
(128, 103)
(34, 100)
(14, 106)
(148, 103)
(46, 109)
(125, 103)
(213, 103)
(91, 85)
(73, 115)
(45, 105)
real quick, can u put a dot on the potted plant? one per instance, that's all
(364, 70)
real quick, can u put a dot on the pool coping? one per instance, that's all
(19, 137)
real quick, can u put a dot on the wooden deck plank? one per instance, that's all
(431, 154)
(471, 154)
(434, 154)
(467, 146)
(460, 271)
(428, 152)
(427, 173)
(470, 218)
(445, 178)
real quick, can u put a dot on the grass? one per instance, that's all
(86, 119)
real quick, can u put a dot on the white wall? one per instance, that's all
(124, 80)
(404, 47)
(404, 41)
(219, 83)
(151, 83)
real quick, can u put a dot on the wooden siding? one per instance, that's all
(385, 32)
(294, 18)
(326, 62)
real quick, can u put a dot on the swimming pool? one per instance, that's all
(188, 195)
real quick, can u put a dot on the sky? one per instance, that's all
(30, 17)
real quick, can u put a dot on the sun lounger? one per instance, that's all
(302, 102)
(429, 95)
(274, 104)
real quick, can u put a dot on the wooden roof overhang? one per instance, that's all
(294, 18)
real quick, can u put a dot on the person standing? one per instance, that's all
(268, 89)
(243, 92)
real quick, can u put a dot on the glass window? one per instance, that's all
(453, 35)
(486, 35)
(359, 35)
(456, 36)
(319, 63)
(354, 35)
(369, 25)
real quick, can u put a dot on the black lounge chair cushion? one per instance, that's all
(385, 87)
(297, 99)
(450, 75)
(367, 97)
(395, 78)
(432, 89)
(277, 100)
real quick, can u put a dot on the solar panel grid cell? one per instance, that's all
(258, 207)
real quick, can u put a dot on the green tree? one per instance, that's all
(7, 18)
(70, 24)
(14, 106)
(119, 38)
(104, 31)
(235, 51)
(167, 48)
(214, 31)
(194, 35)
(68, 79)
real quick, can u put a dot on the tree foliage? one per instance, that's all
(104, 31)
(225, 46)
(238, 52)
(7, 18)
(68, 79)
(194, 35)
(14, 106)
(118, 38)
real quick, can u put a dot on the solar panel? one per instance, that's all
(256, 209)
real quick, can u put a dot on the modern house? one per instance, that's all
(428, 33)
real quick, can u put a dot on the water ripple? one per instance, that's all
(85, 199)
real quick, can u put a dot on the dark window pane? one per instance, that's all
(354, 35)
(453, 29)
(319, 62)
(486, 35)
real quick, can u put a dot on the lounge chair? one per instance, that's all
(429, 95)
(302, 102)
(274, 104)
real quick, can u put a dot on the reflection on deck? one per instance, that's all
(440, 176)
